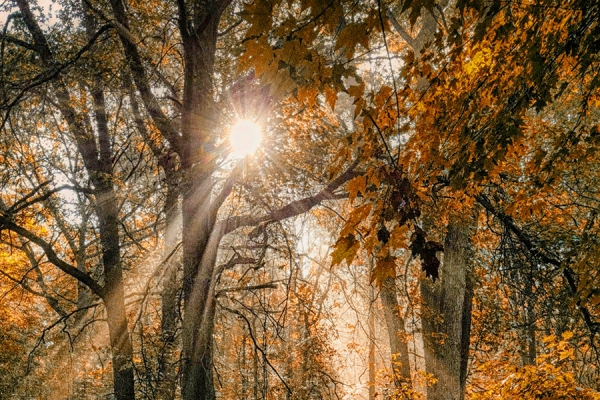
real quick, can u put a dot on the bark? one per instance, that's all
(200, 251)
(529, 351)
(466, 332)
(444, 308)
(372, 388)
(169, 298)
(200, 242)
(396, 332)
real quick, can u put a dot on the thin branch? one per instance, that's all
(22, 204)
(42, 337)
(539, 252)
(245, 288)
(242, 316)
(232, 27)
(95, 287)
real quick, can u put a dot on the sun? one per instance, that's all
(245, 137)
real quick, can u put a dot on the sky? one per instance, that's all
(47, 5)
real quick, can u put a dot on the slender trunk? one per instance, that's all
(372, 388)
(443, 316)
(466, 333)
(396, 332)
(108, 218)
(529, 352)
(199, 256)
(169, 297)
(531, 339)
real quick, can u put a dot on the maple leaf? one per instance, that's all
(356, 185)
(358, 215)
(345, 249)
(384, 268)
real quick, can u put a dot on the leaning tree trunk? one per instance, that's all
(167, 159)
(200, 252)
(397, 334)
(169, 297)
(444, 315)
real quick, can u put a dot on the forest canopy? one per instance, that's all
(268, 199)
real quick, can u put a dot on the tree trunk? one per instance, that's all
(169, 300)
(466, 332)
(200, 242)
(200, 246)
(396, 332)
(444, 307)
(372, 388)
(108, 217)
(199, 258)
(529, 351)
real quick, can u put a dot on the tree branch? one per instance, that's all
(140, 77)
(265, 358)
(401, 31)
(292, 209)
(95, 287)
(244, 288)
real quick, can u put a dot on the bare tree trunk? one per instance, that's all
(199, 211)
(372, 388)
(199, 308)
(444, 305)
(396, 332)
(466, 332)
(529, 352)
(169, 298)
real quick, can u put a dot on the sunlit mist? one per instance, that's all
(245, 137)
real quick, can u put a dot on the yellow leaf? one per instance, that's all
(398, 237)
(567, 335)
(356, 185)
(345, 249)
(357, 215)
(384, 268)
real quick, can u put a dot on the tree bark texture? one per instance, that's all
(466, 332)
(396, 332)
(445, 303)
(167, 370)
(372, 388)
(200, 241)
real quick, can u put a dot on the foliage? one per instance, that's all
(552, 377)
